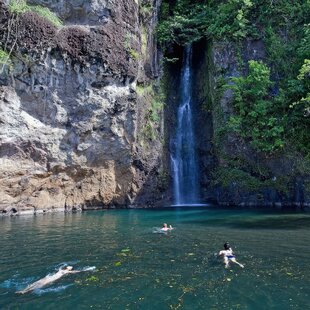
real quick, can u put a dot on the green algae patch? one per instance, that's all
(127, 250)
(20, 6)
(92, 279)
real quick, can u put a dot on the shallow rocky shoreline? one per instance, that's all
(12, 212)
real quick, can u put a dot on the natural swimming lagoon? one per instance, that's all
(138, 268)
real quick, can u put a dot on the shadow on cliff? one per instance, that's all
(154, 185)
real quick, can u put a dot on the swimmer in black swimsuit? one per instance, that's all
(228, 255)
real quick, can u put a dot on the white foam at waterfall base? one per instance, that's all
(192, 205)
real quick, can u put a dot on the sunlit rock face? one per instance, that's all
(69, 112)
(93, 12)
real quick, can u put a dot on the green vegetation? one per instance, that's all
(227, 175)
(144, 89)
(255, 118)
(128, 45)
(143, 41)
(156, 108)
(127, 40)
(5, 61)
(133, 54)
(20, 6)
(4, 57)
(153, 115)
(186, 21)
(92, 279)
(272, 101)
(145, 8)
(47, 14)
(155, 96)
(237, 174)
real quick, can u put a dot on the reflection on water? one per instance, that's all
(140, 269)
(260, 222)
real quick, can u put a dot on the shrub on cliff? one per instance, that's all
(4, 60)
(257, 118)
(4, 57)
(21, 6)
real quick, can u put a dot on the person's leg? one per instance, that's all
(29, 288)
(234, 261)
(226, 262)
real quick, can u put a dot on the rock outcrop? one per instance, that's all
(70, 115)
(242, 175)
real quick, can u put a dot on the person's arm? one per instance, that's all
(75, 271)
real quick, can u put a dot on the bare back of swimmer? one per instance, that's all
(48, 279)
(229, 256)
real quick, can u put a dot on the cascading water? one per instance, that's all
(183, 153)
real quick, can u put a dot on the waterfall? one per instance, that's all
(183, 153)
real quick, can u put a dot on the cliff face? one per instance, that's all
(232, 172)
(243, 176)
(81, 112)
(71, 117)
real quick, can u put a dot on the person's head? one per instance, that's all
(226, 246)
(165, 225)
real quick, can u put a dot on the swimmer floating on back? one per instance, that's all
(166, 228)
(48, 279)
(228, 255)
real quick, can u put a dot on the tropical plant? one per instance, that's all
(255, 117)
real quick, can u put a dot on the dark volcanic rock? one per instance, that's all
(69, 112)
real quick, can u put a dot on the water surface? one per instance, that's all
(139, 268)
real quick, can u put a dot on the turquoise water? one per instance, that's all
(139, 268)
